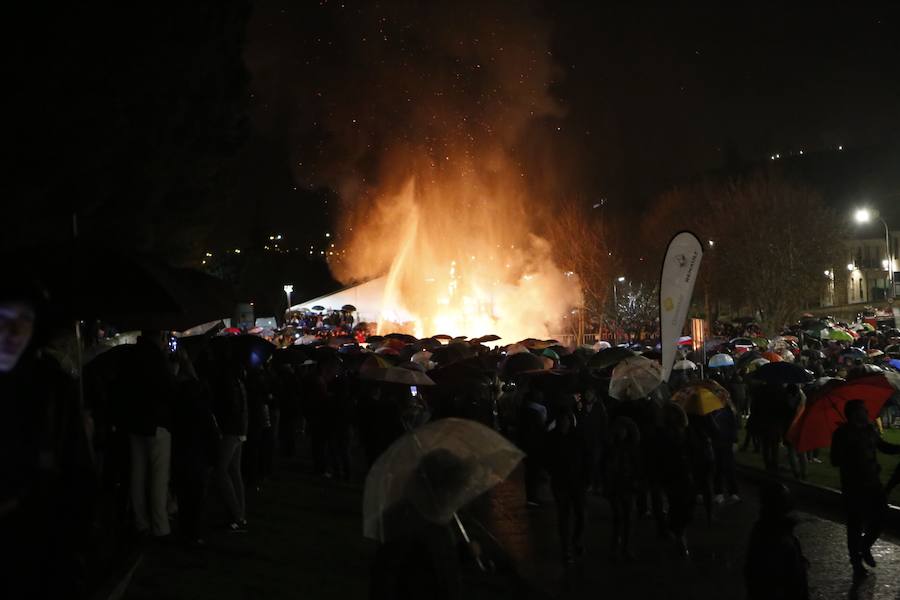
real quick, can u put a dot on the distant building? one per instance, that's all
(865, 278)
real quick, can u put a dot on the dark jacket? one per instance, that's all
(230, 404)
(568, 458)
(48, 483)
(145, 390)
(622, 459)
(419, 560)
(853, 450)
(725, 427)
(775, 567)
(196, 433)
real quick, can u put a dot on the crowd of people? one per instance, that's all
(131, 447)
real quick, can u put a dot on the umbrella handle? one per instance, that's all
(468, 541)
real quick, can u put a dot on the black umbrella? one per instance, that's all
(317, 307)
(521, 362)
(249, 350)
(85, 281)
(200, 298)
(813, 354)
(460, 375)
(609, 357)
(451, 353)
(348, 308)
(746, 358)
(403, 337)
(293, 355)
(429, 343)
(783, 372)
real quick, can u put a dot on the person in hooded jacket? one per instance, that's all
(672, 455)
(195, 441)
(854, 446)
(621, 476)
(48, 481)
(775, 568)
(568, 462)
(230, 410)
(147, 390)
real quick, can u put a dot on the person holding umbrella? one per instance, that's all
(775, 565)
(853, 450)
(411, 500)
(568, 461)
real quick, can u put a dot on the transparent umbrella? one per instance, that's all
(634, 378)
(437, 469)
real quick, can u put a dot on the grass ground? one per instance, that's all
(826, 475)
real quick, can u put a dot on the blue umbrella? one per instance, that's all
(721, 360)
(895, 362)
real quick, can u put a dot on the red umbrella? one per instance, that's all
(772, 356)
(825, 409)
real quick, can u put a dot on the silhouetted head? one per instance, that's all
(775, 499)
(856, 413)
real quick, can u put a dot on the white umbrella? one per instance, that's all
(684, 365)
(721, 360)
(435, 470)
(635, 377)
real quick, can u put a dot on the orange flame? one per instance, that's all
(461, 262)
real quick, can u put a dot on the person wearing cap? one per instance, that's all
(853, 449)
(775, 568)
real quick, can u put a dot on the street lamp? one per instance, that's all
(288, 288)
(865, 215)
(619, 279)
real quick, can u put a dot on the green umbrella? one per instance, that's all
(839, 335)
(761, 342)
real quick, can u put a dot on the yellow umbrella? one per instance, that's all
(701, 398)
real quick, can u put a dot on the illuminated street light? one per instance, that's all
(619, 279)
(827, 273)
(866, 215)
(288, 288)
(851, 267)
(862, 215)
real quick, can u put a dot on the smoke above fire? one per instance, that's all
(426, 133)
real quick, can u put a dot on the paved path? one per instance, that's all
(305, 542)
(714, 570)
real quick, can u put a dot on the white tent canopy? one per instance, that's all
(368, 298)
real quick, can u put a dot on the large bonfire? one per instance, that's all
(437, 153)
(462, 260)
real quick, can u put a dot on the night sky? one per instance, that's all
(645, 98)
(234, 120)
